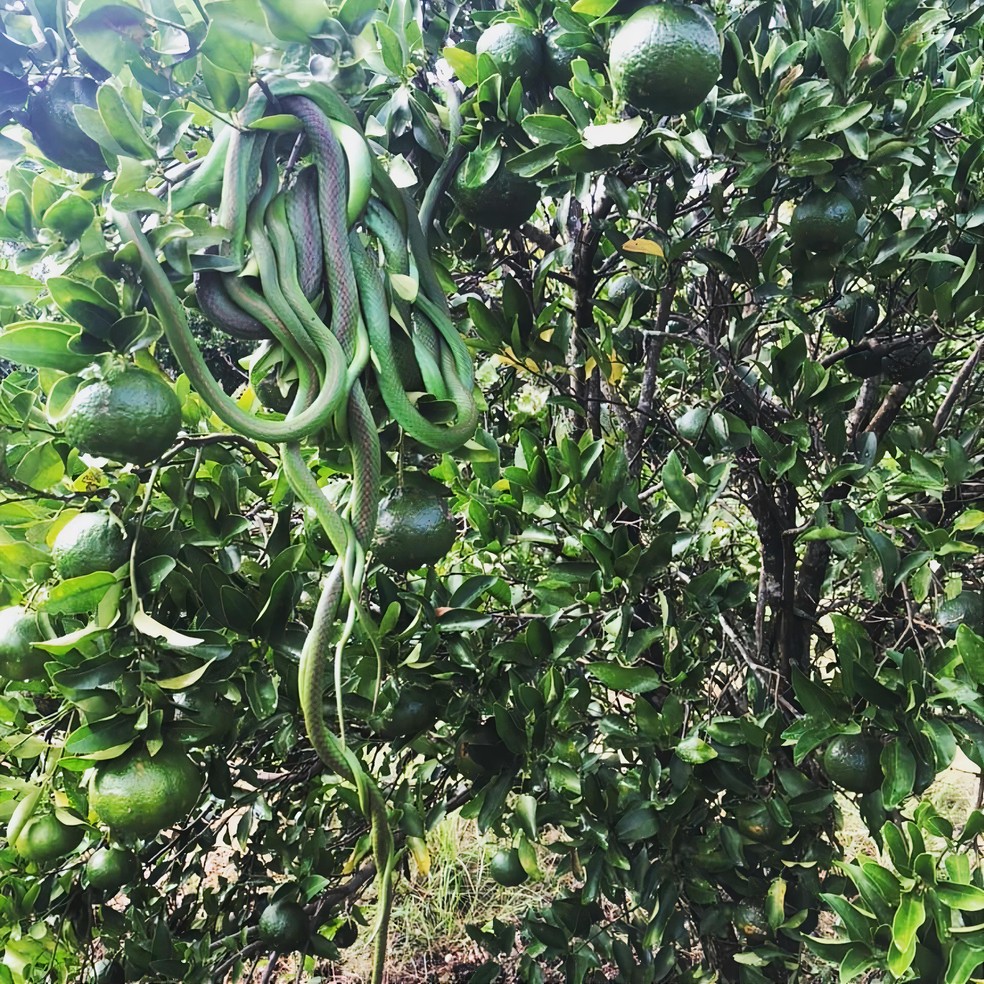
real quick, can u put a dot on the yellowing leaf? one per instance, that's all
(645, 246)
(508, 358)
(148, 626)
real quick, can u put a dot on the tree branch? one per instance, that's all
(953, 394)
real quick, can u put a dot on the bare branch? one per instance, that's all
(953, 394)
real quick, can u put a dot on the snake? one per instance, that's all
(311, 258)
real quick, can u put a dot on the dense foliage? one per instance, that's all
(714, 516)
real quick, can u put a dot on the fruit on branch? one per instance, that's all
(87, 543)
(130, 415)
(666, 58)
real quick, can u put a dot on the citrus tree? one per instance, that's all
(565, 414)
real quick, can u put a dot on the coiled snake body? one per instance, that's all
(325, 245)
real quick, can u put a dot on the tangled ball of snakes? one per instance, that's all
(324, 262)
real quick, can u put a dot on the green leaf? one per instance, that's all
(121, 125)
(544, 128)
(964, 961)
(899, 766)
(391, 48)
(464, 64)
(103, 739)
(83, 304)
(612, 134)
(17, 289)
(111, 33)
(970, 647)
(678, 488)
(41, 467)
(909, 916)
(593, 8)
(695, 750)
(856, 961)
(70, 216)
(966, 898)
(639, 824)
(633, 679)
(78, 595)
(354, 15)
(42, 345)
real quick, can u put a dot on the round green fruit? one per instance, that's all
(516, 51)
(88, 543)
(757, 823)
(44, 838)
(750, 921)
(139, 795)
(908, 363)
(557, 57)
(414, 529)
(110, 868)
(56, 131)
(413, 712)
(621, 289)
(480, 753)
(853, 763)
(19, 631)
(504, 202)
(346, 934)
(824, 222)
(967, 608)
(666, 58)
(132, 416)
(863, 364)
(507, 869)
(852, 316)
(285, 926)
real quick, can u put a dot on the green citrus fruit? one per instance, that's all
(480, 753)
(201, 718)
(89, 542)
(852, 316)
(750, 921)
(45, 838)
(414, 529)
(515, 50)
(558, 58)
(131, 416)
(666, 58)
(285, 926)
(852, 762)
(967, 608)
(413, 711)
(56, 131)
(757, 823)
(507, 869)
(137, 795)
(620, 289)
(823, 222)
(110, 868)
(19, 659)
(692, 425)
(346, 934)
(908, 363)
(864, 364)
(275, 393)
(504, 202)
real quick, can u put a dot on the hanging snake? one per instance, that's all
(308, 261)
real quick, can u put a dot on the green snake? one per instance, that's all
(311, 261)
